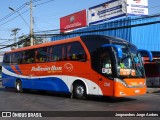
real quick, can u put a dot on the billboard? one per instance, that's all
(73, 21)
(106, 11)
(137, 7)
(115, 9)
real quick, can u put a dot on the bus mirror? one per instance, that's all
(148, 52)
(118, 49)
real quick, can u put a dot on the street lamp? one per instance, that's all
(19, 15)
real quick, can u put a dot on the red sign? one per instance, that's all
(73, 21)
(137, 1)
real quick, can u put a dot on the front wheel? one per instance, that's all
(79, 91)
(19, 86)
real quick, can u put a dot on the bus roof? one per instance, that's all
(110, 38)
(46, 44)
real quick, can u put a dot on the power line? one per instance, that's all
(43, 3)
(13, 18)
(85, 31)
(12, 13)
(91, 31)
(114, 22)
(36, 1)
(107, 29)
(18, 9)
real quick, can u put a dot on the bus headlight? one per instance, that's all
(121, 81)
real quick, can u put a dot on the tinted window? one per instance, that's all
(102, 62)
(41, 55)
(156, 54)
(70, 51)
(76, 52)
(14, 58)
(20, 57)
(57, 53)
(29, 56)
(93, 43)
(144, 54)
(6, 59)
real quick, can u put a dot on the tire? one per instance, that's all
(79, 91)
(19, 86)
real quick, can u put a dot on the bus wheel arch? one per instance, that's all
(18, 86)
(79, 89)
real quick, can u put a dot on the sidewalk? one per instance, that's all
(153, 90)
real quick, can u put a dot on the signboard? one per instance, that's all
(73, 21)
(106, 11)
(115, 9)
(137, 7)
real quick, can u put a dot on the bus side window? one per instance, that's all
(75, 52)
(24, 61)
(105, 62)
(20, 57)
(57, 53)
(29, 56)
(6, 59)
(36, 56)
(41, 54)
(14, 58)
(64, 57)
(68, 52)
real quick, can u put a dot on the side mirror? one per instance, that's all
(118, 49)
(148, 52)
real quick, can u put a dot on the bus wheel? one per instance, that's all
(19, 86)
(79, 91)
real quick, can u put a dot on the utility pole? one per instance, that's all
(15, 31)
(31, 24)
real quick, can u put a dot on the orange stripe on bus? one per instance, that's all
(14, 69)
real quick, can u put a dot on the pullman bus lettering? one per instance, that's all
(53, 68)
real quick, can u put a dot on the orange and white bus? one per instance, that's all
(81, 66)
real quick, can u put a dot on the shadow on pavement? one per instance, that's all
(64, 95)
(50, 93)
(109, 99)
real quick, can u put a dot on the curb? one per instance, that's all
(153, 90)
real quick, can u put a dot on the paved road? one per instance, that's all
(48, 101)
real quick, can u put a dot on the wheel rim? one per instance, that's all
(18, 86)
(80, 90)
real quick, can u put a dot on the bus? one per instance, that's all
(152, 69)
(81, 66)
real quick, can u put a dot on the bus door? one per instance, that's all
(105, 77)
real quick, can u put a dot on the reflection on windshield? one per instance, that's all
(130, 64)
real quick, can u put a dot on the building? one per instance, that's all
(144, 32)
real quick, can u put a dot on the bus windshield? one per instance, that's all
(130, 64)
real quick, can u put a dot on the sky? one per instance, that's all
(46, 14)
